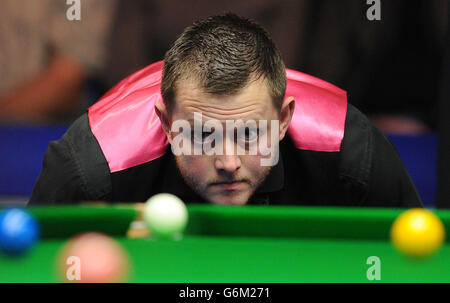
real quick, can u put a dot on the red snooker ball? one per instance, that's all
(93, 258)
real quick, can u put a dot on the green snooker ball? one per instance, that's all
(166, 216)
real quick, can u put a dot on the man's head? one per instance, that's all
(224, 68)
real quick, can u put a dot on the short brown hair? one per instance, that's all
(223, 53)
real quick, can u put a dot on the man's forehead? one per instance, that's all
(253, 99)
(223, 114)
(204, 120)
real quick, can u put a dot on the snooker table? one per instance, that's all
(258, 244)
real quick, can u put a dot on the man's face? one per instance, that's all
(230, 177)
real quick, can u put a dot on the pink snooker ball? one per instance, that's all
(93, 258)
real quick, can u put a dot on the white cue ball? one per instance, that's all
(165, 215)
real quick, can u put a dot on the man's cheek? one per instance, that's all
(196, 166)
(253, 163)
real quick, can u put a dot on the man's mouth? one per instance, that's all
(229, 185)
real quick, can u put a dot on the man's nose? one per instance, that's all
(228, 163)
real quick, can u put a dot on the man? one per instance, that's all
(165, 131)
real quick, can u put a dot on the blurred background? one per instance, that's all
(395, 70)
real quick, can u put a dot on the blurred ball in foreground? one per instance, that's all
(19, 231)
(93, 258)
(166, 216)
(417, 233)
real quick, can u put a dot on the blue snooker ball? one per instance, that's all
(19, 230)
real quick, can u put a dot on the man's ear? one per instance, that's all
(287, 110)
(164, 117)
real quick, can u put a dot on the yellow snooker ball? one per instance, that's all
(417, 233)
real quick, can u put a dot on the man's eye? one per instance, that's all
(201, 137)
(249, 134)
